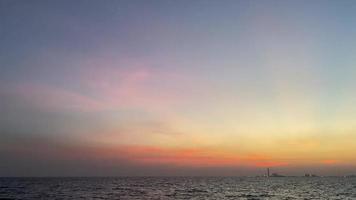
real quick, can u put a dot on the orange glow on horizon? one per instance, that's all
(189, 157)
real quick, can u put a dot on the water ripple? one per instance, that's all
(169, 188)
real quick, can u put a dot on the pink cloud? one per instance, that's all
(139, 86)
(111, 85)
(56, 99)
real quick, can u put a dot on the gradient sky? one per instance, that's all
(101, 88)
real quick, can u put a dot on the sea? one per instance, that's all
(168, 188)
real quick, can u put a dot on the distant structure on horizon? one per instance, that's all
(311, 175)
(273, 174)
(276, 175)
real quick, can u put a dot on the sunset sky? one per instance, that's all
(149, 87)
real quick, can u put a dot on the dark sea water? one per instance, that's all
(178, 188)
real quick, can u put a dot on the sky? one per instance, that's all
(174, 88)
